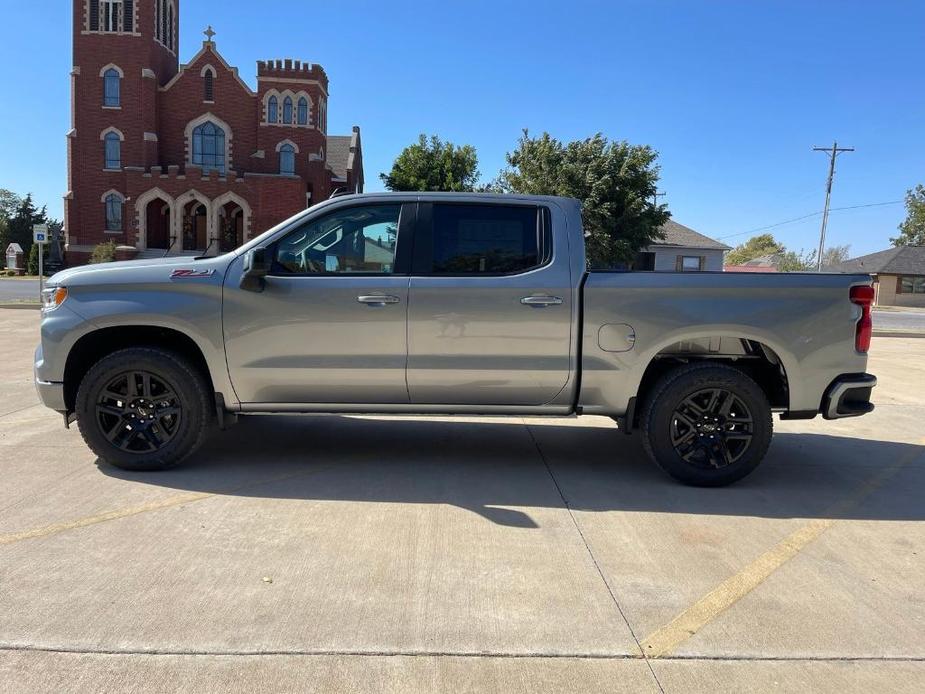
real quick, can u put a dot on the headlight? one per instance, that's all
(53, 297)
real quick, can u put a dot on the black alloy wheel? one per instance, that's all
(144, 408)
(706, 424)
(139, 412)
(712, 428)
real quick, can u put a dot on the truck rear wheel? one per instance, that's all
(707, 424)
(143, 409)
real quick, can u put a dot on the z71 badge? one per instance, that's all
(187, 274)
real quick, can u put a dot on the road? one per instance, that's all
(507, 554)
(18, 290)
(906, 319)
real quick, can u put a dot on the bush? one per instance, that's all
(32, 267)
(10, 273)
(104, 253)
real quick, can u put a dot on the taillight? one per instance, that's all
(863, 297)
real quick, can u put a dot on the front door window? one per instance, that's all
(359, 240)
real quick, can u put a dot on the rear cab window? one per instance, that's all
(473, 239)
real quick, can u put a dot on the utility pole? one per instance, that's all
(656, 195)
(833, 151)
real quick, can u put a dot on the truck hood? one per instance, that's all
(135, 270)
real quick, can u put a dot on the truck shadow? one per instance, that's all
(494, 467)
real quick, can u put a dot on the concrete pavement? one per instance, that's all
(453, 554)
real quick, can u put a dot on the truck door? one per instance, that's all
(330, 323)
(490, 308)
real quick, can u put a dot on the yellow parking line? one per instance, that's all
(175, 500)
(733, 589)
(101, 518)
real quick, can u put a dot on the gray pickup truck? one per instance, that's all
(448, 304)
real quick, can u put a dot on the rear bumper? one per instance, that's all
(849, 396)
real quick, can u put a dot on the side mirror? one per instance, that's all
(256, 267)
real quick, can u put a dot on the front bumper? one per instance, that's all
(50, 393)
(849, 396)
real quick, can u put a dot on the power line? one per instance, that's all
(808, 216)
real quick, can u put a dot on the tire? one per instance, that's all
(701, 439)
(155, 426)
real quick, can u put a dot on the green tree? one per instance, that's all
(20, 224)
(615, 182)
(835, 255)
(433, 165)
(9, 202)
(791, 261)
(912, 230)
(755, 247)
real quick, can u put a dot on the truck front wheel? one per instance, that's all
(707, 424)
(142, 409)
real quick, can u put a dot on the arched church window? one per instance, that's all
(209, 147)
(112, 148)
(287, 110)
(209, 85)
(273, 110)
(112, 82)
(287, 160)
(303, 111)
(113, 212)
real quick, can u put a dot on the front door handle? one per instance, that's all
(541, 301)
(378, 299)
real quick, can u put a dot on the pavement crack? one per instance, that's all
(423, 653)
(597, 565)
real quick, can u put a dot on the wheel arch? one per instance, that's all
(766, 365)
(95, 345)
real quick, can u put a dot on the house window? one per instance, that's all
(113, 212)
(287, 110)
(287, 160)
(911, 285)
(209, 147)
(303, 111)
(690, 263)
(111, 87)
(112, 145)
(208, 81)
(273, 110)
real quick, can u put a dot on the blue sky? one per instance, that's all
(732, 94)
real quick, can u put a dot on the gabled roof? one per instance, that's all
(680, 236)
(338, 153)
(902, 260)
(342, 151)
(208, 48)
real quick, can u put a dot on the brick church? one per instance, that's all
(174, 159)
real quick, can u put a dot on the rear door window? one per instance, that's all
(487, 239)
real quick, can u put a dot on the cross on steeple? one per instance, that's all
(209, 33)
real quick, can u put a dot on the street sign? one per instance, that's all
(40, 233)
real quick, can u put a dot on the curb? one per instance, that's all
(897, 333)
(23, 304)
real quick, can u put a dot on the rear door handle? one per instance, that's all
(378, 299)
(541, 301)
